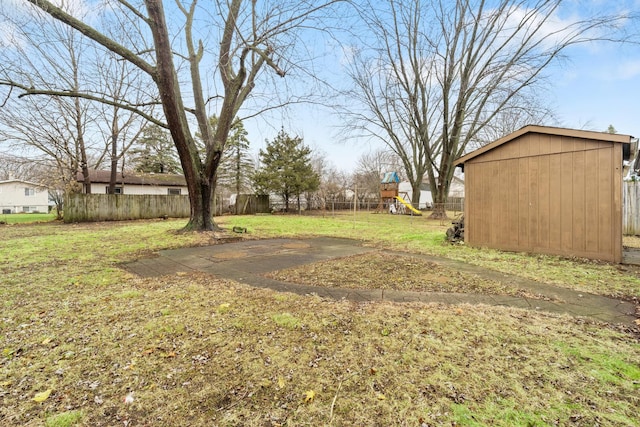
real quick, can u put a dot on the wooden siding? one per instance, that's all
(547, 194)
(631, 208)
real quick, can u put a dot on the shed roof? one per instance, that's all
(548, 130)
(136, 178)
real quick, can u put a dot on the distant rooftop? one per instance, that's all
(135, 178)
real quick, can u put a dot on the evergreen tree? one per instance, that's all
(156, 152)
(286, 169)
(236, 167)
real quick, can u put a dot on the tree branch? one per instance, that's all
(94, 34)
(28, 91)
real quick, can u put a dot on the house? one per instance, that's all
(136, 183)
(17, 196)
(456, 190)
(547, 190)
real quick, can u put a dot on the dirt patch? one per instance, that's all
(230, 255)
(382, 271)
(296, 245)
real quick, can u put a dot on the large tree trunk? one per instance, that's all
(415, 193)
(201, 208)
(440, 193)
(439, 201)
(200, 185)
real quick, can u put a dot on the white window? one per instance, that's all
(26, 209)
(29, 191)
(174, 191)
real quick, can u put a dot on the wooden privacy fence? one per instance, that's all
(249, 204)
(118, 207)
(631, 208)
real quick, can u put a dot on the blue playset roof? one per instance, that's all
(390, 177)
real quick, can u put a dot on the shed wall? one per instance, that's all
(547, 194)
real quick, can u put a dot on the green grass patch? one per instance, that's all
(605, 367)
(64, 419)
(286, 320)
(23, 218)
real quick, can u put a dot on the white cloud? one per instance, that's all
(8, 35)
(627, 70)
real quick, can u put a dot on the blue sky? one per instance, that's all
(598, 87)
(598, 84)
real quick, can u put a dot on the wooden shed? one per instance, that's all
(547, 190)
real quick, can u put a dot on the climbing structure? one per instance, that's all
(390, 195)
(388, 190)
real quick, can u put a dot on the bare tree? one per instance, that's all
(436, 73)
(370, 169)
(333, 183)
(120, 128)
(45, 131)
(523, 111)
(51, 128)
(15, 167)
(253, 36)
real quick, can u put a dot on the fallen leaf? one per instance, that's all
(280, 382)
(46, 341)
(309, 395)
(41, 397)
(638, 322)
(381, 396)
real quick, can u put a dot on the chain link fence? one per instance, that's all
(455, 206)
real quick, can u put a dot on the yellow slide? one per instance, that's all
(414, 210)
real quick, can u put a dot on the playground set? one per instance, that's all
(390, 196)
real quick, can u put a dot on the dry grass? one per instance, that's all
(198, 350)
(195, 350)
(393, 272)
(421, 235)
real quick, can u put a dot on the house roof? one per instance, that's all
(22, 182)
(548, 130)
(135, 178)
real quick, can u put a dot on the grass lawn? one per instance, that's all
(83, 343)
(21, 218)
